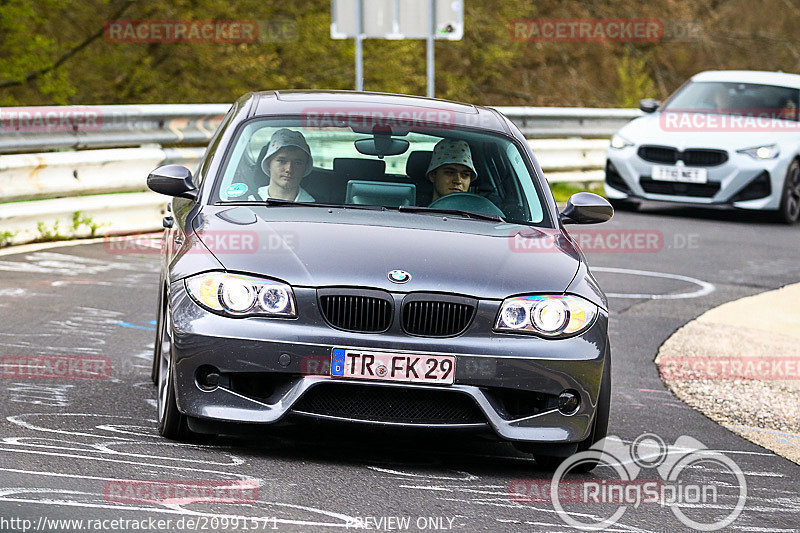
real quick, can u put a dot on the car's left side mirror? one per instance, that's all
(586, 208)
(649, 105)
(173, 180)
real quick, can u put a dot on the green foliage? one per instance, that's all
(562, 190)
(634, 80)
(78, 220)
(55, 52)
(5, 237)
(49, 233)
(53, 233)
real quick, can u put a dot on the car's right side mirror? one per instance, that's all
(586, 208)
(172, 180)
(648, 105)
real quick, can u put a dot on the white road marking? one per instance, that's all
(466, 476)
(705, 287)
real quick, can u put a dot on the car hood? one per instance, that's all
(469, 257)
(652, 129)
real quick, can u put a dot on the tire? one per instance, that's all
(599, 429)
(159, 337)
(789, 211)
(171, 422)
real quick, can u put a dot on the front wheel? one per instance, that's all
(789, 211)
(171, 422)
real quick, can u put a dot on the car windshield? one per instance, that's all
(746, 99)
(406, 167)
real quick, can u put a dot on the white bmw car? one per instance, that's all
(724, 138)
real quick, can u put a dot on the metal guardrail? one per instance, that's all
(42, 129)
(64, 188)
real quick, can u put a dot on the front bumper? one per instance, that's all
(732, 177)
(490, 368)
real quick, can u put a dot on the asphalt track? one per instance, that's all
(65, 444)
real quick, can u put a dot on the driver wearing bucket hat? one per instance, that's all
(451, 169)
(287, 161)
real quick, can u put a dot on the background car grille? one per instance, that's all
(704, 158)
(694, 157)
(700, 190)
(358, 313)
(390, 404)
(436, 318)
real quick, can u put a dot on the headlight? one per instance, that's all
(238, 295)
(619, 142)
(768, 151)
(550, 316)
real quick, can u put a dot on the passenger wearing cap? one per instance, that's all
(287, 161)
(451, 169)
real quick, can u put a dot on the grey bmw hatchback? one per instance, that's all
(383, 260)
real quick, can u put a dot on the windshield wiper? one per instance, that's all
(289, 203)
(457, 212)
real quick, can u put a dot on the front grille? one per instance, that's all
(704, 158)
(367, 312)
(437, 318)
(658, 154)
(692, 157)
(700, 190)
(390, 404)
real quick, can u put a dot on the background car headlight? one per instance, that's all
(550, 316)
(768, 151)
(619, 142)
(239, 295)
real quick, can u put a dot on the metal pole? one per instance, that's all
(359, 42)
(431, 34)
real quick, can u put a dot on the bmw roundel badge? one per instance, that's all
(399, 276)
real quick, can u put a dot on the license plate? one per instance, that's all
(683, 174)
(383, 366)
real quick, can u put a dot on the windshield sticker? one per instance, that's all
(236, 189)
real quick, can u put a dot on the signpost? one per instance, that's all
(397, 19)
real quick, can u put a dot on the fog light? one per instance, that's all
(207, 377)
(568, 402)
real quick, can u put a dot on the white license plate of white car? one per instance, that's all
(682, 174)
(387, 366)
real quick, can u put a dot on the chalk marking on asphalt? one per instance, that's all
(107, 459)
(102, 448)
(623, 528)
(705, 287)
(259, 481)
(466, 475)
(267, 520)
